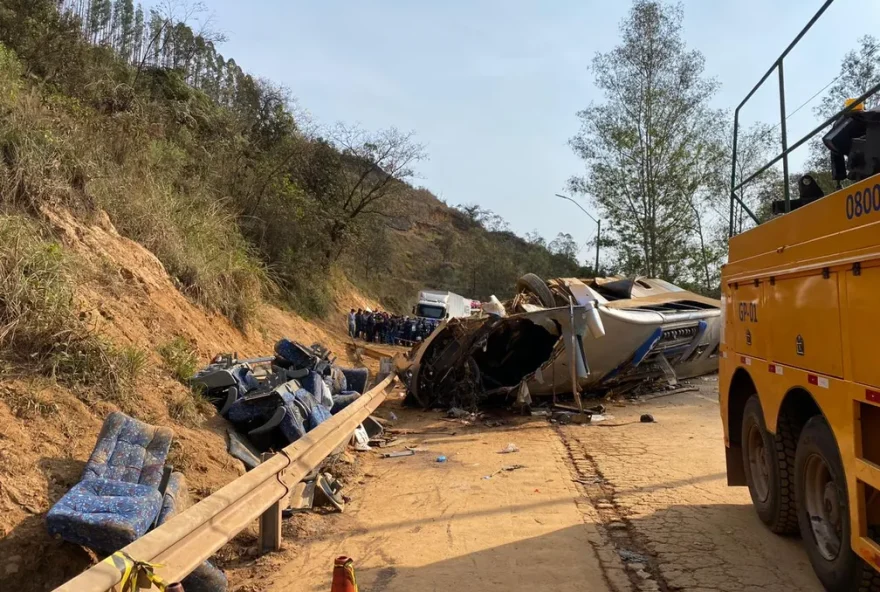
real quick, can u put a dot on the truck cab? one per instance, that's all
(439, 305)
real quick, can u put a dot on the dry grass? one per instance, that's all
(40, 327)
(180, 358)
(56, 150)
(189, 409)
(191, 232)
(30, 403)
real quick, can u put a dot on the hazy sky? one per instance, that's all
(492, 88)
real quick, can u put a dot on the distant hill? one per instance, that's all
(424, 243)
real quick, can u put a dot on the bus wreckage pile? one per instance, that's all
(566, 336)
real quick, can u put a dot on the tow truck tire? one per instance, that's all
(534, 284)
(820, 485)
(769, 462)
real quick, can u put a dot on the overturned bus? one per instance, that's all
(568, 336)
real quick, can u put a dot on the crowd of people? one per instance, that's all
(387, 328)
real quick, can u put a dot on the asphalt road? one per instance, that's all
(665, 483)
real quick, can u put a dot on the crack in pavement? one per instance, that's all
(641, 566)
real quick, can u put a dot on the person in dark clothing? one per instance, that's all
(371, 327)
(359, 324)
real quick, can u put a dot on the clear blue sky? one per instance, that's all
(492, 87)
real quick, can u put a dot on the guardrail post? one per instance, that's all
(270, 522)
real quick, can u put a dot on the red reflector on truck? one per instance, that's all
(817, 380)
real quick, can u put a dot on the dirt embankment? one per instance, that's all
(47, 431)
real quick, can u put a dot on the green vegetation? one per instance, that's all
(40, 326)
(657, 156)
(180, 358)
(207, 167)
(108, 106)
(189, 408)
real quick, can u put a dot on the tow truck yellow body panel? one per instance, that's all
(802, 313)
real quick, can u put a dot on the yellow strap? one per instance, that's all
(136, 574)
(349, 571)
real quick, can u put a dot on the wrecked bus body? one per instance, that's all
(653, 328)
(467, 362)
(601, 334)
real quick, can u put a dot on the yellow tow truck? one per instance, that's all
(800, 364)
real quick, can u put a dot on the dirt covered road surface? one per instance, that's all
(617, 506)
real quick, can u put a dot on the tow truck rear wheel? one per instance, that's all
(820, 485)
(768, 461)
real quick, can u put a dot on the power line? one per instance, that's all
(804, 104)
(808, 101)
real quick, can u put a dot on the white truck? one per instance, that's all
(441, 305)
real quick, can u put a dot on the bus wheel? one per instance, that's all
(535, 285)
(820, 484)
(768, 462)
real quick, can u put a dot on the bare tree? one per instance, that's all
(376, 165)
(488, 219)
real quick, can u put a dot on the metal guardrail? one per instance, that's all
(778, 66)
(191, 537)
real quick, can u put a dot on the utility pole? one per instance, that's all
(598, 227)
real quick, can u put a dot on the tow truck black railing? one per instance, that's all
(786, 149)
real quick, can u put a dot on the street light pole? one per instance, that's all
(598, 227)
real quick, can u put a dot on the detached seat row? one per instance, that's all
(301, 390)
(126, 490)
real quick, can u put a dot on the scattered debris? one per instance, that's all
(383, 442)
(631, 556)
(392, 416)
(361, 440)
(677, 391)
(572, 409)
(511, 447)
(561, 417)
(302, 498)
(273, 401)
(459, 413)
(461, 421)
(568, 417)
(647, 418)
(373, 426)
(400, 453)
(441, 459)
(327, 492)
(421, 432)
(505, 469)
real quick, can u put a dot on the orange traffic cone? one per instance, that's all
(343, 576)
